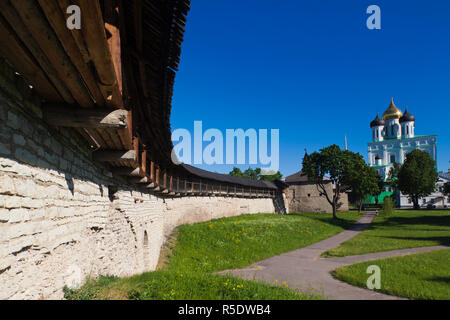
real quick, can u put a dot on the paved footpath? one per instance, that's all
(305, 270)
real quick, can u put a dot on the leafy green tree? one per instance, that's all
(271, 176)
(417, 176)
(365, 181)
(392, 178)
(388, 207)
(447, 188)
(256, 174)
(340, 166)
(252, 174)
(236, 172)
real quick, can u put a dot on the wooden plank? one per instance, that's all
(112, 25)
(114, 155)
(138, 11)
(138, 180)
(76, 34)
(152, 171)
(85, 134)
(24, 62)
(96, 137)
(57, 19)
(127, 171)
(110, 143)
(165, 179)
(144, 162)
(13, 19)
(71, 116)
(93, 29)
(49, 43)
(125, 138)
(157, 175)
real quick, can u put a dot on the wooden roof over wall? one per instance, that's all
(123, 58)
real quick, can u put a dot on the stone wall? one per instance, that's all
(306, 198)
(61, 221)
(197, 209)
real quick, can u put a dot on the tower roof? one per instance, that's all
(407, 116)
(392, 112)
(377, 122)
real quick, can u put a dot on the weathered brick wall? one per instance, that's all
(306, 198)
(59, 224)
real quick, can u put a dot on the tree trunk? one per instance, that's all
(416, 202)
(360, 206)
(334, 211)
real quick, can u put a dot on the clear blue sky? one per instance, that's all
(313, 70)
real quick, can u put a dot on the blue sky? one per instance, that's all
(314, 71)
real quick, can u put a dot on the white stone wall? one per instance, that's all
(59, 222)
(197, 209)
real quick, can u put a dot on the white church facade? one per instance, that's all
(393, 137)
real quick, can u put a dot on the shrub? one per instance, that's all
(388, 207)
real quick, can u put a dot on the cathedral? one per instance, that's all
(393, 137)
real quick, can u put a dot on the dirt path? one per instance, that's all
(305, 270)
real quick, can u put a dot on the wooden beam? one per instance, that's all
(70, 116)
(152, 171)
(38, 26)
(112, 25)
(114, 155)
(157, 175)
(93, 28)
(126, 171)
(24, 62)
(152, 186)
(33, 74)
(57, 18)
(139, 180)
(136, 144)
(165, 179)
(144, 163)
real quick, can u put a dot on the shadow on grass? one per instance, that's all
(444, 280)
(444, 241)
(340, 222)
(435, 220)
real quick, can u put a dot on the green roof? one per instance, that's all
(394, 139)
(381, 196)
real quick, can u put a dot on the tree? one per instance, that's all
(392, 178)
(365, 182)
(417, 176)
(271, 176)
(256, 174)
(447, 188)
(252, 174)
(340, 166)
(236, 172)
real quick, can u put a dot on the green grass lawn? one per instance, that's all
(217, 245)
(403, 229)
(418, 276)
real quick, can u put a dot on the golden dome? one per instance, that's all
(392, 112)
